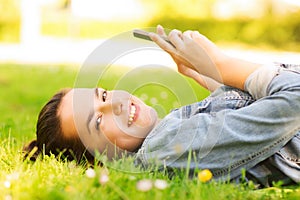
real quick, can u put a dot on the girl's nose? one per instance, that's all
(115, 102)
(111, 105)
(116, 107)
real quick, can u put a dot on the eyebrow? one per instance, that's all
(91, 114)
(97, 92)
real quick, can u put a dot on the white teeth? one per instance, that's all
(131, 115)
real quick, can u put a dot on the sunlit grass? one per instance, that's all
(24, 89)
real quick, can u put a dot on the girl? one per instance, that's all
(250, 121)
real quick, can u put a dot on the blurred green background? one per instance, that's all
(270, 24)
(43, 43)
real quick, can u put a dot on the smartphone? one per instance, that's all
(145, 35)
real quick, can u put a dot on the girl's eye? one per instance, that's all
(104, 95)
(98, 122)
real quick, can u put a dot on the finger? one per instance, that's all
(160, 31)
(161, 42)
(175, 37)
(203, 40)
(187, 37)
(197, 36)
(188, 34)
(179, 60)
(183, 69)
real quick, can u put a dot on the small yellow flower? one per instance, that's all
(69, 188)
(205, 175)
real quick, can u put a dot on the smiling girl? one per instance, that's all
(250, 121)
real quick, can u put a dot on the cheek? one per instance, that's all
(111, 128)
(147, 117)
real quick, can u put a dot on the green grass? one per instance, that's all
(24, 89)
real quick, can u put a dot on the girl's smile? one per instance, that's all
(133, 114)
(100, 117)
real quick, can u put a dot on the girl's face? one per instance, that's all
(103, 119)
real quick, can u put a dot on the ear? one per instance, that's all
(31, 151)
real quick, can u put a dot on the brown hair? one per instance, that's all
(50, 138)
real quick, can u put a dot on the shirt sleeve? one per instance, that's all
(257, 83)
(229, 140)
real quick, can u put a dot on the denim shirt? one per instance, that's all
(257, 129)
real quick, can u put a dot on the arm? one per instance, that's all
(195, 51)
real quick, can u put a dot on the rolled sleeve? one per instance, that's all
(257, 83)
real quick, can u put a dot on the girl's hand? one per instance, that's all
(181, 63)
(194, 51)
(191, 50)
(183, 66)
